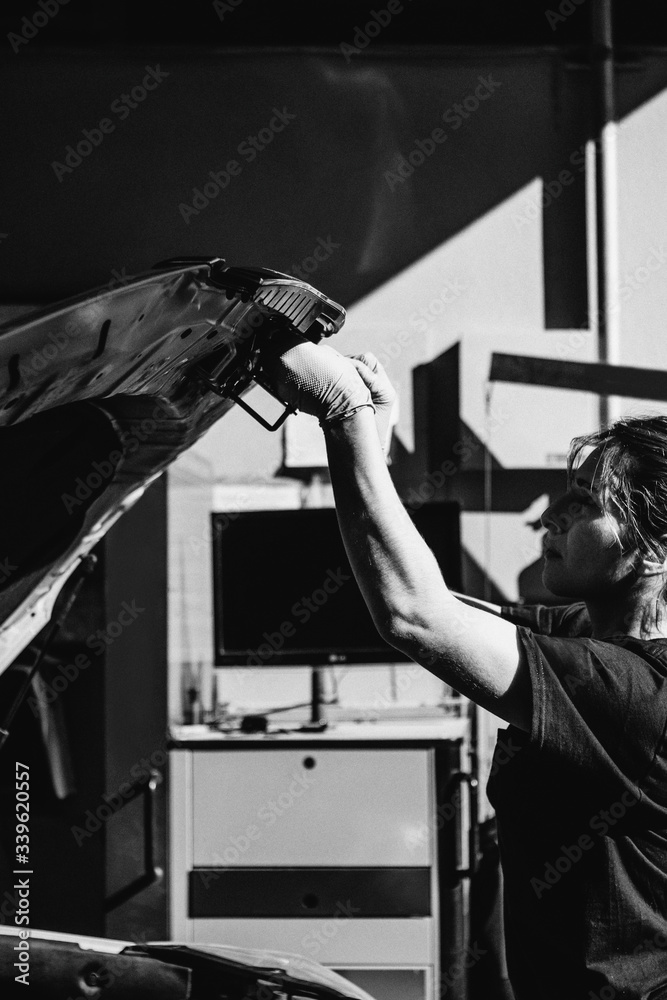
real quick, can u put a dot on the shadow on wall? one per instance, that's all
(337, 171)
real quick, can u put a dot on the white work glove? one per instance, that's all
(383, 395)
(312, 378)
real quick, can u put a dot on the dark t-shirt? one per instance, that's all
(581, 804)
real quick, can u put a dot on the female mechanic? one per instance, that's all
(581, 802)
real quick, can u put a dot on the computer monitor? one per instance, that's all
(285, 595)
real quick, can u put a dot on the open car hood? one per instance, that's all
(66, 965)
(102, 392)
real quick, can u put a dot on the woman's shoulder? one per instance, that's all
(562, 620)
(653, 650)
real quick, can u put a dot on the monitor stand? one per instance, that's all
(316, 724)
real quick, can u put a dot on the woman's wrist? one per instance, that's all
(328, 422)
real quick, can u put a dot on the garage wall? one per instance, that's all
(441, 195)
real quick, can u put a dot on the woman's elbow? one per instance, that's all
(400, 632)
(423, 631)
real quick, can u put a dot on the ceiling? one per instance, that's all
(329, 23)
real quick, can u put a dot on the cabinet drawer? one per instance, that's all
(295, 807)
(314, 892)
(334, 941)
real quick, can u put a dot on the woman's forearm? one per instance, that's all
(396, 571)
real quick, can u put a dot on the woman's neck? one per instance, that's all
(641, 613)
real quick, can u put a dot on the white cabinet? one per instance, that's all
(311, 807)
(342, 847)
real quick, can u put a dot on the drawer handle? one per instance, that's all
(309, 763)
(151, 872)
(463, 778)
(310, 901)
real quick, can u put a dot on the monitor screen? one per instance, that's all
(284, 592)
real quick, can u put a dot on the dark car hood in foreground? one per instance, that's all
(67, 965)
(100, 394)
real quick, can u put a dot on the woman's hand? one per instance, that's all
(383, 395)
(314, 378)
(317, 379)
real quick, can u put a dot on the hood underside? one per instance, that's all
(60, 963)
(102, 392)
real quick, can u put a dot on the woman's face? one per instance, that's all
(583, 552)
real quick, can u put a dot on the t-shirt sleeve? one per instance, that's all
(597, 706)
(565, 620)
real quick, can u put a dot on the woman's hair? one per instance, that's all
(632, 478)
